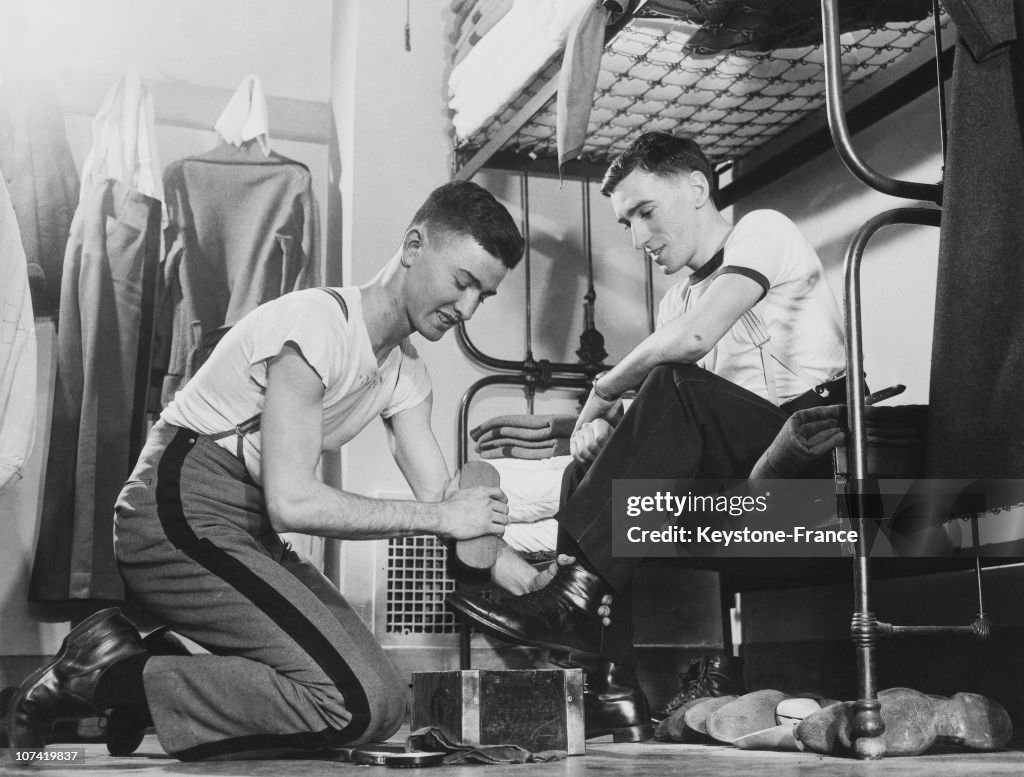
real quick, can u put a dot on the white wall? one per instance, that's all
(196, 42)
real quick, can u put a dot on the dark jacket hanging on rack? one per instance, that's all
(103, 345)
(244, 229)
(976, 426)
(104, 342)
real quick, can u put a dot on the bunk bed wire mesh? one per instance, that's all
(732, 101)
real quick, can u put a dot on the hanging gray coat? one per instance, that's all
(244, 229)
(976, 427)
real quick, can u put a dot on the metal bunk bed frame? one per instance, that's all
(535, 375)
(865, 629)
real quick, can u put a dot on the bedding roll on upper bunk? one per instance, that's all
(492, 68)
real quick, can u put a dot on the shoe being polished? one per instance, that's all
(614, 704)
(64, 687)
(561, 617)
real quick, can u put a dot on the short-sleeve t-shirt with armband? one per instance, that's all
(327, 327)
(796, 322)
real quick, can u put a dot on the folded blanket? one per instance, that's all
(558, 447)
(505, 442)
(526, 426)
(518, 433)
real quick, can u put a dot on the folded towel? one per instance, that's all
(551, 425)
(558, 447)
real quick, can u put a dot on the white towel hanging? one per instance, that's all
(124, 139)
(245, 116)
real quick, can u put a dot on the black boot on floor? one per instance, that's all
(614, 704)
(561, 617)
(708, 676)
(64, 687)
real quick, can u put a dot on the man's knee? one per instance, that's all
(387, 701)
(672, 378)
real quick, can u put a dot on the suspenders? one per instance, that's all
(759, 336)
(250, 425)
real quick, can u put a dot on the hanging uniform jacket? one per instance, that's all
(243, 229)
(103, 347)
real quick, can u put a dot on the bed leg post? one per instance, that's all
(868, 725)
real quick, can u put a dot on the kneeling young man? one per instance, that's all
(232, 462)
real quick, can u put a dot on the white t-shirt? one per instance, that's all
(230, 387)
(797, 311)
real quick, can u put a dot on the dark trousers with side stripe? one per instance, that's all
(291, 664)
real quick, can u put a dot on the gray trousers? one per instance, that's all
(292, 664)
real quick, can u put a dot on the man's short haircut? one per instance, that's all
(660, 154)
(466, 208)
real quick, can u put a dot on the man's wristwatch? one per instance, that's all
(597, 389)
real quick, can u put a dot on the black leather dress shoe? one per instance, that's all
(614, 704)
(64, 687)
(561, 617)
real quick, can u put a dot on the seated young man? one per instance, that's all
(752, 335)
(232, 462)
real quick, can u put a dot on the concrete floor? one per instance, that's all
(603, 758)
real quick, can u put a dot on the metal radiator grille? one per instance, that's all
(418, 586)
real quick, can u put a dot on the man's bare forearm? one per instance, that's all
(328, 512)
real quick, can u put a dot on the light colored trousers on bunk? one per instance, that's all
(293, 665)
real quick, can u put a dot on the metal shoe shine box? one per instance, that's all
(535, 709)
